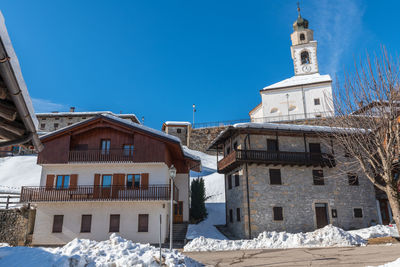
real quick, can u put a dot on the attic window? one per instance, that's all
(305, 57)
(178, 130)
(302, 37)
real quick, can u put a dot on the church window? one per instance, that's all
(273, 110)
(302, 37)
(305, 57)
(317, 102)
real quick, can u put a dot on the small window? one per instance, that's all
(305, 57)
(231, 216)
(272, 145)
(278, 213)
(55, 126)
(179, 130)
(86, 223)
(143, 224)
(358, 213)
(318, 116)
(302, 37)
(275, 176)
(315, 147)
(238, 214)
(58, 223)
(353, 179)
(128, 150)
(42, 126)
(229, 177)
(237, 177)
(136, 181)
(318, 177)
(62, 181)
(114, 223)
(317, 102)
(105, 146)
(106, 181)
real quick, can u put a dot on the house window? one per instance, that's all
(272, 145)
(278, 213)
(133, 180)
(55, 126)
(275, 176)
(106, 181)
(114, 223)
(231, 216)
(86, 223)
(143, 224)
(62, 181)
(318, 177)
(358, 213)
(237, 179)
(305, 57)
(353, 179)
(178, 130)
(42, 126)
(317, 102)
(105, 146)
(238, 214)
(58, 223)
(302, 37)
(229, 177)
(128, 150)
(315, 147)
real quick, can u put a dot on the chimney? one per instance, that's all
(72, 109)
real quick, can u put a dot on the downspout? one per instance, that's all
(247, 185)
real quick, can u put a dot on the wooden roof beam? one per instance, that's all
(6, 135)
(7, 111)
(3, 92)
(14, 127)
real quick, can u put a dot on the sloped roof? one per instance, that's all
(300, 80)
(86, 113)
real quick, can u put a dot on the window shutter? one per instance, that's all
(145, 180)
(86, 223)
(73, 182)
(96, 184)
(143, 224)
(118, 183)
(50, 181)
(57, 223)
(114, 223)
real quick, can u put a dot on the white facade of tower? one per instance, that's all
(306, 95)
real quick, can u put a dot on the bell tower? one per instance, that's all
(304, 48)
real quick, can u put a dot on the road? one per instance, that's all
(352, 256)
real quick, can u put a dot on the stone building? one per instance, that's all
(281, 177)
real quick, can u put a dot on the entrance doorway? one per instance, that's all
(384, 207)
(178, 212)
(321, 214)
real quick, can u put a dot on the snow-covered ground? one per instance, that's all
(329, 236)
(376, 231)
(395, 263)
(19, 171)
(83, 252)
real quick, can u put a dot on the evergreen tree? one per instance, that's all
(198, 210)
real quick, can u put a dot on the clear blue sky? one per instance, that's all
(157, 58)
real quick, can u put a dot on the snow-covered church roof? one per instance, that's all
(300, 80)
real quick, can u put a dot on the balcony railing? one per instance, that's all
(97, 193)
(98, 155)
(275, 157)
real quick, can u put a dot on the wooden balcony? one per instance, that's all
(98, 193)
(238, 157)
(97, 155)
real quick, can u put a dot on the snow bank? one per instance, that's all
(376, 231)
(329, 236)
(116, 251)
(18, 171)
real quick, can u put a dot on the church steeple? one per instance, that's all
(304, 48)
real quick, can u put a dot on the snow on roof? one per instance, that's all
(16, 69)
(87, 113)
(177, 123)
(300, 80)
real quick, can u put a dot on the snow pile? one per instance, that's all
(206, 228)
(329, 236)
(395, 263)
(376, 231)
(19, 171)
(116, 251)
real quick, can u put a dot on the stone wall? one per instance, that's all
(200, 139)
(14, 226)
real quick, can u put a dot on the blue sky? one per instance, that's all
(157, 58)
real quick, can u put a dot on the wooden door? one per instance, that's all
(106, 181)
(383, 204)
(117, 184)
(178, 212)
(321, 214)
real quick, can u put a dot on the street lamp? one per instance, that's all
(172, 175)
(194, 110)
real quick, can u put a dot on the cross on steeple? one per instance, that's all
(298, 8)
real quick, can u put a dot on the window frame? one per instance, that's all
(317, 101)
(62, 181)
(272, 178)
(275, 211)
(128, 149)
(57, 228)
(355, 215)
(89, 224)
(318, 180)
(105, 150)
(111, 229)
(142, 230)
(102, 181)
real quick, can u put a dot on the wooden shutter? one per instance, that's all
(114, 223)
(118, 183)
(57, 223)
(275, 176)
(96, 184)
(86, 223)
(143, 223)
(50, 181)
(73, 182)
(144, 180)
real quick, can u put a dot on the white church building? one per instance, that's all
(305, 95)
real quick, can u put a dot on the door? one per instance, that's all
(106, 186)
(321, 214)
(178, 212)
(383, 204)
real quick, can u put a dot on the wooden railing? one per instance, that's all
(276, 157)
(97, 155)
(97, 193)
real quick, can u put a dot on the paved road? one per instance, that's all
(353, 256)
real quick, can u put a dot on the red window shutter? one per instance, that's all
(145, 180)
(73, 182)
(96, 184)
(50, 181)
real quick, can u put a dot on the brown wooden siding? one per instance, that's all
(55, 151)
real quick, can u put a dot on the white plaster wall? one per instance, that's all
(100, 212)
(182, 183)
